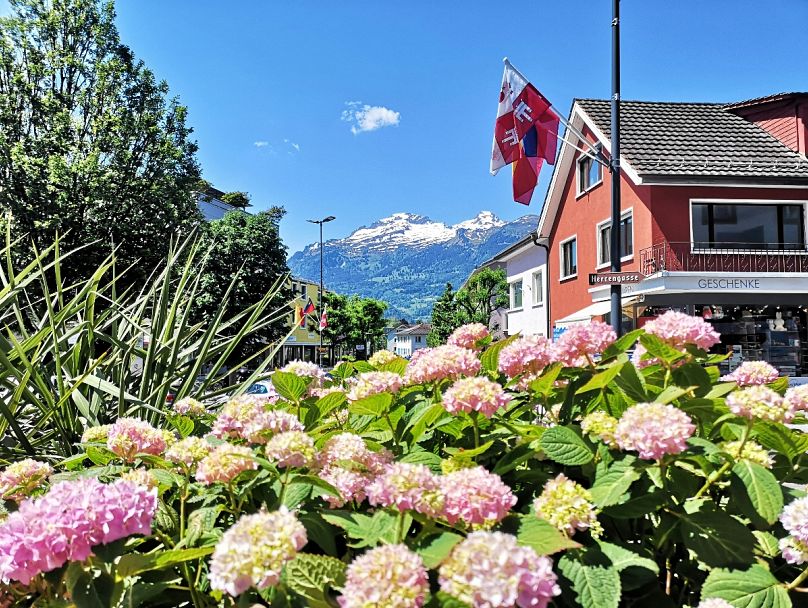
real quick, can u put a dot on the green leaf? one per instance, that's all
(425, 419)
(566, 446)
(136, 563)
(490, 358)
(610, 488)
(366, 530)
(319, 531)
(632, 383)
(183, 424)
(781, 439)
(375, 405)
(717, 539)
(330, 402)
(752, 588)
(290, 386)
(422, 457)
(670, 394)
(314, 482)
(542, 537)
(659, 349)
(100, 456)
(90, 591)
(602, 379)
(469, 453)
(544, 384)
(622, 344)
(435, 548)
(201, 521)
(595, 581)
(623, 558)
(312, 576)
(762, 488)
(513, 458)
(397, 366)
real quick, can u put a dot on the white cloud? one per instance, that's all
(364, 117)
(296, 147)
(261, 144)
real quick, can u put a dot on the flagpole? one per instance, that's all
(614, 168)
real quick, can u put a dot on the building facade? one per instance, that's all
(406, 339)
(713, 219)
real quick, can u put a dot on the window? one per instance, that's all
(748, 226)
(516, 294)
(590, 173)
(538, 287)
(418, 339)
(569, 258)
(626, 239)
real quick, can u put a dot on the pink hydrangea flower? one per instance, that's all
(96, 434)
(580, 344)
(750, 373)
(795, 519)
(526, 355)
(382, 357)
(129, 437)
(475, 394)
(407, 487)
(225, 463)
(469, 336)
(391, 576)
(475, 496)
(254, 550)
(490, 570)
(350, 484)
(20, 479)
(190, 407)
(372, 383)
(291, 449)
(797, 398)
(322, 392)
(67, 522)
(141, 477)
(568, 506)
(653, 430)
(794, 550)
(348, 465)
(441, 363)
(188, 452)
(246, 417)
(760, 402)
(306, 369)
(678, 329)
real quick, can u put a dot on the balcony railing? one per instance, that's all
(724, 257)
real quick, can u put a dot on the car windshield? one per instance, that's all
(257, 389)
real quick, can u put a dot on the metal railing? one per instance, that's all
(724, 257)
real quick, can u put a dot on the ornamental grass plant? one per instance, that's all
(594, 471)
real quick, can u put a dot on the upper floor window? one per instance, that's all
(516, 294)
(538, 287)
(626, 239)
(569, 258)
(773, 226)
(418, 339)
(590, 173)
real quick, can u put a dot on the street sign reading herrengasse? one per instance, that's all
(614, 278)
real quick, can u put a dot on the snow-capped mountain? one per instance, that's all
(407, 259)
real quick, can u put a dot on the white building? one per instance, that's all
(406, 339)
(212, 206)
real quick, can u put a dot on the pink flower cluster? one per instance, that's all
(469, 336)
(246, 417)
(475, 496)
(129, 437)
(475, 394)
(189, 407)
(348, 465)
(797, 398)
(527, 355)
(407, 487)
(795, 519)
(225, 463)
(188, 452)
(391, 576)
(372, 383)
(580, 344)
(653, 430)
(291, 449)
(490, 570)
(253, 551)
(794, 551)
(21, 478)
(568, 506)
(678, 329)
(445, 362)
(67, 522)
(751, 373)
(761, 402)
(382, 357)
(306, 369)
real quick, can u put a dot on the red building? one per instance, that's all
(714, 217)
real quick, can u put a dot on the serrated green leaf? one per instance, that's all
(659, 349)
(313, 576)
(330, 402)
(435, 548)
(752, 588)
(490, 358)
(610, 488)
(201, 521)
(183, 424)
(566, 446)
(595, 581)
(290, 386)
(375, 405)
(544, 383)
(542, 537)
(623, 558)
(397, 366)
(762, 488)
(319, 531)
(425, 419)
(781, 439)
(469, 453)
(422, 457)
(136, 563)
(602, 379)
(717, 539)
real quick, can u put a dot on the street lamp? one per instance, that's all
(322, 292)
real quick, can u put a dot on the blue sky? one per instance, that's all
(267, 83)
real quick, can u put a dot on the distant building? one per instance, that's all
(212, 206)
(303, 343)
(406, 339)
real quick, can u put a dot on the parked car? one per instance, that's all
(262, 388)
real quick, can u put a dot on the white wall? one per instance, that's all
(531, 318)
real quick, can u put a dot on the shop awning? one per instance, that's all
(593, 310)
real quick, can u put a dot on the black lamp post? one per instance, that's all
(322, 293)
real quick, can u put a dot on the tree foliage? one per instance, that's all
(482, 294)
(444, 317)
(91, 146)
(354, 320)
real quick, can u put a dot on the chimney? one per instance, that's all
(784, 116)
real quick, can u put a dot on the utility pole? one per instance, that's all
(614, 169)
(322, 292)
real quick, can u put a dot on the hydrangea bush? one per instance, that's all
(591, 471)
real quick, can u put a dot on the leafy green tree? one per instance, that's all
(248, 248)
(91, 146)
(444, 317)
(240, 200)
(354, 320)
(482, 294)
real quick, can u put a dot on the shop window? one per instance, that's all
(626, 239)
(590, 173)
(538, 287)
(569, 258)
(748, 226)
(516, 294)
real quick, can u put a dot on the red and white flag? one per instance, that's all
(525, 133)
(324, 318)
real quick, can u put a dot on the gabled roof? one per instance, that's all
(668, 141)
(421, 329)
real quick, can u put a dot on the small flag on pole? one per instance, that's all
(525, 133)
(309, 307)
(300, 316)
(324, 318)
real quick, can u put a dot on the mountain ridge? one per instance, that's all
(406, 259)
